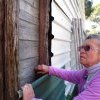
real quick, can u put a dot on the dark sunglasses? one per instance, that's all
(86, 48)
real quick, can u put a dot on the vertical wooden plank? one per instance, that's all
(78, 38)
(10, 50)
(1, 49)
(43, 31)
(74, 26)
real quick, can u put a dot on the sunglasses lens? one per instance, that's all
(87, 48)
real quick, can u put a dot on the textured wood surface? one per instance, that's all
(10, 50)
(43, 31)
(1, 50)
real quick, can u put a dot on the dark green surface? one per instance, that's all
(49, 88)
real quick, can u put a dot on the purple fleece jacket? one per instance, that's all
(92, 89)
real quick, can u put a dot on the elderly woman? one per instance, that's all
(88, 78)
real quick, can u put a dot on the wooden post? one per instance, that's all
(43, 31)
(10, 50)
(1, 49)
(76, 39)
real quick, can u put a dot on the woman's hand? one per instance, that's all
(28, 92)
(42, 69)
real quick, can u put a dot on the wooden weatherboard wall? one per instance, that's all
(28, 37)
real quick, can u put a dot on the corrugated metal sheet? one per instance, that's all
(49, 88)
(61, 29)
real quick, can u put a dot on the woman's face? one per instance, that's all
(90, 52)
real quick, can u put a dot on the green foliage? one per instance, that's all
(88, 8)
(95, 15)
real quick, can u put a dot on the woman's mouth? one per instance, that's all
(82, 57)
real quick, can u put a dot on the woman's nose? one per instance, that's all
(82, 50)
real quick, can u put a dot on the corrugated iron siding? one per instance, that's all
(61, 29)
(67, 35)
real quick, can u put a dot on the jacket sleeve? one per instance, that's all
(71, 76)
(92, 92)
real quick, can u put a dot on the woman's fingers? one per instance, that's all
(42, 69)
(28, 92)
